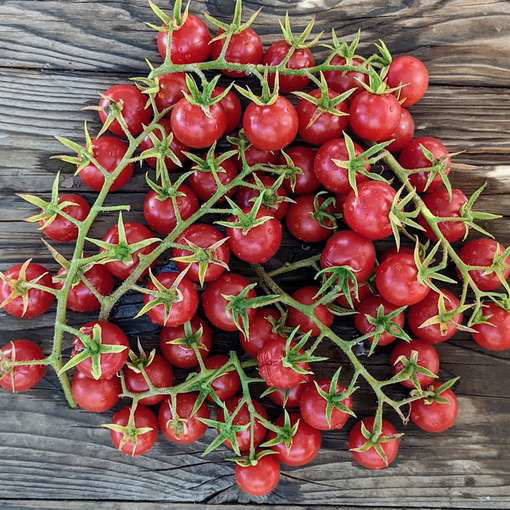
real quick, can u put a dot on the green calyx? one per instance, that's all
(296, 357)
(322, 210)
(286, 433)
(411, 369)
(300, 41)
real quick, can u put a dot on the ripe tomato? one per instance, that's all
(159, 212)
(254, 156)
(260, 479)
(232, 107)
(288, 398)
(300, 59)
(370, 459)
(392, 252)
(108, 152)
(190, 42)
(397, 280)
(184, 428)
(368, 308)
(23, 377)
(374, 117)
(427, 358)
(134, 109)
(432, 416)
(313, 407)
(270, 360)
(481, 252)
(331, 176)
(305, 295)
(326, 126)
(412, 157)
(142, 443)
(61, 229)
(271, 127)
(111, 362)
(346, 248)
(403, 133)
(215, 305)
(368, 212)
(158, 371)
(410, 72)
(303, 158)
(182, 354)
(95, 396)
(12, 284)
(494, 336)
(244, 48)
(226, 385)
(135, 232)
(171, 88)
(305, 444)
(342, 81)
(261, 330)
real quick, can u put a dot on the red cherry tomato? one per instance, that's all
(288, 398)
(410, 72)
(261, 330)
(494, 336)
(305, 295)
(260, 479)
(303, 158)
(95, 396)
(171, 88)
(392, 252)
(226, 385)
(22, 377)
(61, 229)
(403, 133)
(232, 107)
(254, 156)
(342, 81)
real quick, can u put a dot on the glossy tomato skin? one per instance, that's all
(260, 243)
(38, 301)
(403, 133)
(214, 304)
(494, 336)
(61, 229)
(193, 128)
(160, 374)
(183, 356)
(171, 88)
(300, 59)
(331, 176)
(435, 416)
(159, 212)
(24, 377)
(190, 42)
(305, 295)
(108, 151)
(271, 127)
(134, 109)
(371, 459)
(95, 396)
(305, 444)
(481, 252)
(261, 479)
(313, 407)
(368, 212)
(226, 385)
(397, 280)
(254, 156)
(368, 308)
(412, 157)
(302, 223)
(192, 429)
(374, 117)
(302, 157)
(232, 107)
(244, 48)
(427, 358)
(288, 398)
(204, 185)
(346, 248)
(342, 81)
(144, 417)
(272, 370)
(410, 72)
(261, 330)
(135, 232)
(326, 126)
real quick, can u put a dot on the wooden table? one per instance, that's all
(55, 56)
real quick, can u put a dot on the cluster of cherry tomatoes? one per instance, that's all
(334, 180)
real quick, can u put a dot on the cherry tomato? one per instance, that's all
(23, 377)
(303, 158)
(184, 428)
(412, 157)
(108, 152)
(346, 248)
(313, 407)
(326, 126)
(95, 396)
(305, 295)
(288, 398)
(403, 133)
(134, 109)
(232, 107)
(271, 127)
(171, 88)
(397, 280)
(183, 355)
(260, 479)
(364, 291)
(494, 336)
(342, 81)
(261, 330)
(61, 229)
(226, 385)
(254, 156)
(374, 117)
(190, 42)
(481, 252)
(158, 371)
(215, 305)
(370, 459)
(432, 416)
(144, 418)
(392, 252)
(410, 72)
